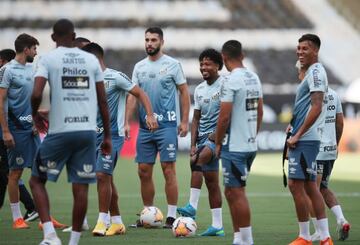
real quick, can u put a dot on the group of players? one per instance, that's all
(227, 116)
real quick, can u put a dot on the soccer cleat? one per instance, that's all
(315, 237)
(300, 241)
(100, 229)
(31, 215)
(327, 241)
(51, 241)
(56, 224)
(20, 224)
(116, 229)
(187, 211)
(343, 229)
(84, 227)
(137, 224)
(212, 231)
(168, 223)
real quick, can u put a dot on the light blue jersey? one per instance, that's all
(72, 74)
(207, 101)
(117, 84)
(159, 79)
(18, 80)
(315, 80)
(243, 89)
(328, 145)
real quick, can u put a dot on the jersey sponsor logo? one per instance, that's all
(87, 173)
(251, 140)
(317, 81)
(75, 99)
(171, 147)
(27, 118)
(331, 107)
(74, 71)
(252, 104)
(216, 96)
(330, 120)
(329, 148)
(152, 75)
(331, 97)
(292, 161)
(252, 93)
(75, 82)
(76, 119)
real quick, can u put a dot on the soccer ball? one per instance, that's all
(151, 217)
(184, 227)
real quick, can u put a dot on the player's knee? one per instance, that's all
(228, 194)
(144, 174)
(102, 177)
(195, 167)
(15, 175)
(169, 174)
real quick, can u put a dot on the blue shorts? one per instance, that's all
(213, 165)
(324, 167)
(236, 167)
(106, 163)
(302, 160)
(148, 145)
(75, 149)
(23, 154)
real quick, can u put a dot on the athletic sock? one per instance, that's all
(338, 213)
(194, 197)
(246, 235)
(237, 238)
(48, 228)
(15, 210)
(171, 211)
(116, 219)
(323, 227)
(314, 222)
(216, 214)
(102, 217)
(304, 230)
(74, 238)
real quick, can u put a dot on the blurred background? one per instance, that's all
(268, 30)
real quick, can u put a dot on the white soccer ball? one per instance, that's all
(184, 227)
(151, 217)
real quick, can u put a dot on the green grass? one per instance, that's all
(273, 214)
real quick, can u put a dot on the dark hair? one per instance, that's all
(7, 54)
(63, 27)
(94, 48)
(213, 55)
(82, 40)
(25, 41)
(156, 30)
(232, 49)
(312, 38)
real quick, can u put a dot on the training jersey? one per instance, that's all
(159, 79)
(315, 80)
(243, 89)
(117, 84)
(207, 101)
(19, 81)
(328, 145)
(72, 74)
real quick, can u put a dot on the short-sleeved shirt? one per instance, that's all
(315, 80)
(207, 101)
(72, 75)
(159, 79)
(117, 84)
(328, 144)
(243, 89)
(19, 81)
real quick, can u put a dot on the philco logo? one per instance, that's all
(76, 119)
(78, 82)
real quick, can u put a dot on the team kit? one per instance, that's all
(88, 121)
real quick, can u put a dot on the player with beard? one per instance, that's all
(161, 77)
(16, 84)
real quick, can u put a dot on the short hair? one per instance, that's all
(213, 55)
(312, 38)
(7, 54)
(24, 41)
(232, 49)
(63, 27)
(94, 48)
(156, 30)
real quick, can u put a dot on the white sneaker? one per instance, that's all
(84, 227)
(54, 240)
(315, 237)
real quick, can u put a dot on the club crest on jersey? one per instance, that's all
(163, 71)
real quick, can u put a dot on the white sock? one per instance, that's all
(48, 228)
(246, 236)
(338, 214)
(237, 238)
(304, 230)
(15, 210)
(85, 221)
(194, 197)
(102, 217)
(108, 220)
(314, 222)
(74, 238)
(171, 211)
(116, 219)
(216, 214)
(323, 227)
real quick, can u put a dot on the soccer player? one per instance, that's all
(80, 42)
(203, 161)
(76, 86)
(6, 55)
(160, 76)
(19, 136)
(304, 143)
(117, 85)
(240, 117)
